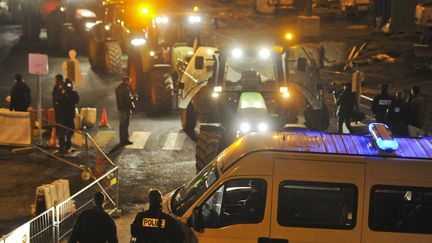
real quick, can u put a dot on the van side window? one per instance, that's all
(317, 205)
(401, 209)
(237, 201)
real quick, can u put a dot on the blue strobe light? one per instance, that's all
(383, 137)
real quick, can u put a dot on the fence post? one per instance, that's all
(56, 224)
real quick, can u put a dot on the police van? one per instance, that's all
(311, 187)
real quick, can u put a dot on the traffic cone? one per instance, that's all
(104, 119)
(53, 138)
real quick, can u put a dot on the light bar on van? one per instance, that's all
(383, 137)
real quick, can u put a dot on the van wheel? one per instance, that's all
(208, 146)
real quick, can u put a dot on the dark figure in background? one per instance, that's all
(20, 95)
(381, 104)
(417, 106)
(56, 96)
(398, 115)
(125, 106)
(153, 226)
(346, 102)
(67, 103)
(94, 225)
(253, 209)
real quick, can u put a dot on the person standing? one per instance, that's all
(346, 102)
(417, 106)
(20, 96)
(398, 115)
(125, 106)
(155, 226)
(67, 103)
(381, 104)
(94, 225)
(56, 96)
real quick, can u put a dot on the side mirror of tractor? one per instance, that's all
(301, 64)
(199, 62)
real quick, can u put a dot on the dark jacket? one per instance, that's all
(20, 97)
(94, 226)
(56, 96)
(124, 98)
(346, 103)
(67, 103)
(380, 105)
(398, 117)
(417, 108)
(147, 227)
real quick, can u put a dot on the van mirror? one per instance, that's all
(199, 62)
(301, 64)
(195, 220)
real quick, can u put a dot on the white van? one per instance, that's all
(310, 187)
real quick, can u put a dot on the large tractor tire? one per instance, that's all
(95, 53)
(160, 92)
(208, 146)
(112, 58)
(188, 118)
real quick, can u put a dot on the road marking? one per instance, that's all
(102, 138)
(139, 140)
(175, 141)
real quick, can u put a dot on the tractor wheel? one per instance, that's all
(112, 57)
(160, 92)
(95, 53)
(208, 146)
(188, 118)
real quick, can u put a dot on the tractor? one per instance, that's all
(151, 39)
(235, 90)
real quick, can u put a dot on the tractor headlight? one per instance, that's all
(138, 41)
(264, 53)
(217, 89)
(162, 20)
(284, 91)
(194, 19)
(237, 53)
(89, 25)
(244, 127)
(262, 127)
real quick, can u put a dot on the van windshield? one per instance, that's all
(187, 195)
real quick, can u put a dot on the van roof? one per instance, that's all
(327, 143)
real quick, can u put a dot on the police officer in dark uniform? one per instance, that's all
(94, 225)
(346, 102)
(381, 103)
(20, 95)
(154, 226)
(398, 115)
(67, 103)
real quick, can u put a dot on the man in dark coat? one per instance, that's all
(253, 208)
(381, 103)
(56, 96)
(154, 226)
(67, 104)
(398, 115)
(94, 225)
(346, 103)
(417, 108)
(125, 107)
(20, 97)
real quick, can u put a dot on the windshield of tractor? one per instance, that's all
(237, 68)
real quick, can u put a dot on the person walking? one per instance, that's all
(68, 101)
(381, 104)
(125, 106)
(346, 102)
(94, 225)
(398, 115)
(417, 107)
(20, 96)
(153, 226)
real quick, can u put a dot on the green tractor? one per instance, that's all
(152, 40)
(232, 91)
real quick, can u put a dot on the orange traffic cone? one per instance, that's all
(104, 119)
(53, 138)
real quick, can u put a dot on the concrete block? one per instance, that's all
(308, 26)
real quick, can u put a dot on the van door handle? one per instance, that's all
(271, 240)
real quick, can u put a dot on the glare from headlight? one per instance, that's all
(217, 89)
(215, 95)
(138, 41)
(244, 127)
(107, 27)
(262, 127)
(237, 53)
(152, 53)
(90, 25)
(264, 53)
(162, 20)
(194, 19)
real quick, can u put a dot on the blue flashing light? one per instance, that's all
(383, 137)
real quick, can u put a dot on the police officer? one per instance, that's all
(154, 226)
(398, 115)
(94, 225)
(20, 97)
(346, 102)
(67, 103)
(381, 104)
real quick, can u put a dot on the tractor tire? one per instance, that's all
(160, 92)
(188, 118)
(95, 53)
(208, 146)
(112, 58)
